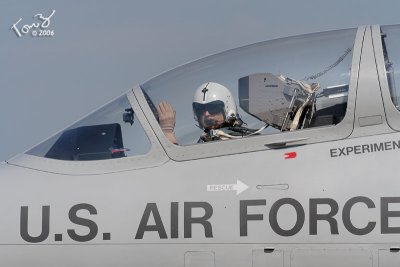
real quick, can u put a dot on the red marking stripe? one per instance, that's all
(290, 155)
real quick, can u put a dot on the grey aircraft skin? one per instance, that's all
(324, 194)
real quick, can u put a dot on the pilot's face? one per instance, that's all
(212, 121)
(210, 115)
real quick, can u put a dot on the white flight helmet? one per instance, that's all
(215, 98)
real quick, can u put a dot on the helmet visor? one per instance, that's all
(213, 108)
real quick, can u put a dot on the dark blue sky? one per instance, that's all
(100, 49)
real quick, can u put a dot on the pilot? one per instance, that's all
(215, 111)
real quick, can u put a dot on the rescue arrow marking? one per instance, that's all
(239, 187)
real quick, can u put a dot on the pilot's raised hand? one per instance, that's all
(167, 118)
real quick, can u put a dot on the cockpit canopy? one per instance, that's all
(112, 131)
(289, 84)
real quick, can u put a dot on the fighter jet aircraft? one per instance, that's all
(279, 153)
